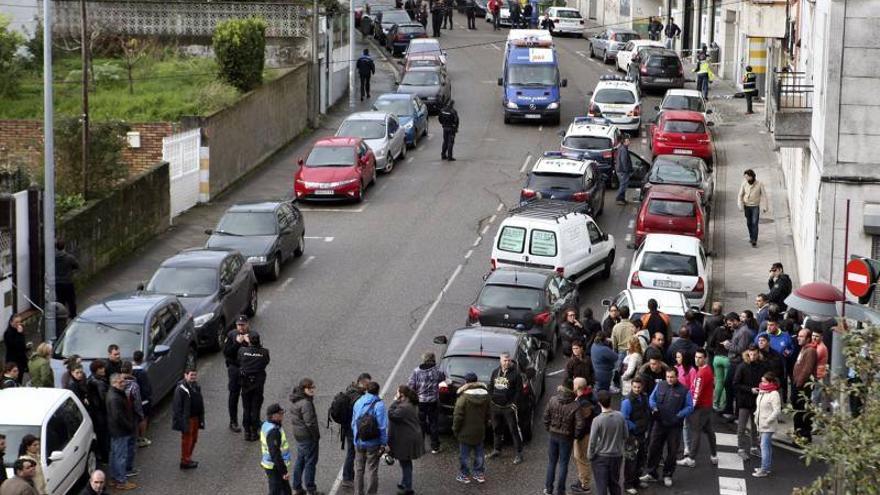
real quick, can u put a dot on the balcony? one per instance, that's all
(790, 109)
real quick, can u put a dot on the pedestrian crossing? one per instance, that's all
(730, 466)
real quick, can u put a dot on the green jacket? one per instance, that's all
(41, 372)
(471, 414)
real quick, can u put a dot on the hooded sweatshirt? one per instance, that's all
(425, 379)
(303, 417)
(471, 413)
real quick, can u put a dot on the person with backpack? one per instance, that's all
(425, 381)
(340, 413)
(369, 425)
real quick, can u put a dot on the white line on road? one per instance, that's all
(467, 255)
(730, 460)
(554, 373)
(308, 260)
(485, 229)
(321, 238)
(628, 238)
(632, 223)
(500, 207)
(493, 45)
(477, 242)
(731, 486)
(409, 160)
(582, 54)
(726, 439)
(525, 164)
(286, 283)
(492, 218)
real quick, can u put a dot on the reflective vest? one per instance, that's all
(266, 460)
(705, 68)
(750, 83)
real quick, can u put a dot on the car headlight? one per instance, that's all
(553, 106)
(511, 104)
(200, 321)
(257, 259)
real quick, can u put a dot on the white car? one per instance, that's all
(566, 21)
(503, 17)
(430, 46)
(382, 133)
(672, 303)
(61, 423)
(684, 99)
(630, 49)
(672, 262)
(618, 99)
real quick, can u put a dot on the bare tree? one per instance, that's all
(134, 50)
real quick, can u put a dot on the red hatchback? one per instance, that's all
(671, 210)
(681, 132)
(336, 168)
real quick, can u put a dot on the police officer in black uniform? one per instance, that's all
(750, 88)
(438, 12)
(235, 339)
(447, 14)
(252, 361)
(470, 8)
(366, 68)
(449, 120)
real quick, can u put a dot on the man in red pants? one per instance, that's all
(189, 416)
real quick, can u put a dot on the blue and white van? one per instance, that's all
(530, 77)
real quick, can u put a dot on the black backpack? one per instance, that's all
(367, 425)
(341, 408)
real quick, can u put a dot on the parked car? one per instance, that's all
(670, 302)
(425, 46)
(529, 300)
(156, 324)
(385, 20)
(670, 210)
(399, 36)
(423, 60)
(559, 176)
(566, 20)
(677, 170)
(672, 262)
(267, 234)
(607, 43)
(214, 285)
(369, 20)
(476, 350)
(411, 112)
(618, 100)
(631, 50)
(597, 139)
(381, 131)
(683, 99)
(682, 132)
(430, 84)
(657, 68)
(65, 430)
(336, 168)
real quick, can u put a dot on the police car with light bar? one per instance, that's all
(597, 138)
(619, 100)
(530, 77)
(566, 176)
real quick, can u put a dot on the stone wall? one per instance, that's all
(108, 230)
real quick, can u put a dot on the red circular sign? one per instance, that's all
(858, 277)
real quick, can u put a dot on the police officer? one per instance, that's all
(447, 14)
(449, 120)
(750, 88)
(235, 339)
(704, 74)
(438, 12)
(252, 360)
(366, 68)
(470, 8)
(275, 451)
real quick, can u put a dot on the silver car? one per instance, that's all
(382, 133)
(606, 44)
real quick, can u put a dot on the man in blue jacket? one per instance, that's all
(624, 170)
(671, 403)
(369, 424)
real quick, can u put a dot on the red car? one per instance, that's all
(336, 168)
(671, 210)
(682, 132)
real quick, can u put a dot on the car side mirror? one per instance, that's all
(56, 456)
(530, 373)
(606, 302)
(564, 83)
(140, 286)
(605, 236)
(161, 350)
(209, 231)
(501, 81)
(657, 108)
(440, 340)
(710, 124)
(709, 111)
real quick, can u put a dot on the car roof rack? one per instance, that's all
(613, 77)
(592, 121)
(553, 209)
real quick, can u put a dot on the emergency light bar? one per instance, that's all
(611, 77)
(592, 120)
(571, 155)
(530, 37)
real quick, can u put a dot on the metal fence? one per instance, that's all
(792, 90)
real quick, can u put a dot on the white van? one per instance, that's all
(553, 235)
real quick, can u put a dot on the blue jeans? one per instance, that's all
(304, 466)
(766, 450)
(129, 454)
(703, 85)
(348, 465)
(406, 469)
(464, 458)
(559, 454)
(752, 215)
(623, 179)
(118, 458)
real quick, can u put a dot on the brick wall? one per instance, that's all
(144, 158)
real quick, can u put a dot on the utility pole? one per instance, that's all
(48, 172)
(351, 53)
(316, 67)
(85, 97)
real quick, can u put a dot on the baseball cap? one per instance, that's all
(241, 319)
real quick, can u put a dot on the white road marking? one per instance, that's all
(731, 486)
(582, 54)
(322, 238)
(493, 45)
(632, 223)
(286, 283)
(409, 160)
(554, 373)
(308, 260)
(730, 460)
(468, 254)
(336, 210)
(525, 164)
(726, 439)
(492, 218)
(500, 207)
(485, 229)
(477, 242)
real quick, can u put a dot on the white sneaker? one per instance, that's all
(760, 473)
(713, 459)
(632, 491)
(755, 451)
(667, 481)
(686, 461)
(648, 478)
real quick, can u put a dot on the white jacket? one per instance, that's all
(769, 405)
(631, 363)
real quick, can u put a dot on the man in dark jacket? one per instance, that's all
(366, 68)
(97, 386)
(624, 169)
(146, 388)
(304, 420)
(121, 425)
(637, 413)
(10, 376)
(579, 364)
(235, 339)
(563, 421)
(671, 403)
(780, 286)
(438, 12)
(745, 381)
(447, 14)
(588, 409)
(672, 32)
(188, 409)
(351, 395)
(470, 9)
(425, 380)
(16, 346)
(652, 373)
(712, 322)
(96, 485)
(505, 388)
(449, 120)
(682, 344)
(275, 458)
(253, 360)
(65, 266)
(469, 420)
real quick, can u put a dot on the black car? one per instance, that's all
(657, 68)
(267, 234)
(399, 35)
(528, 300)
(569, 178)
(385, 20)
(215, 286)
(431, 84)
(478, 350)
(370, 20)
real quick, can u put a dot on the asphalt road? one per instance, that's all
(379, 280)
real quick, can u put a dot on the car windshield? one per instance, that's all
(366, 129)
(184, 281)
(684, 127)
(671, 208)
(424, 62)
(624, 37)
(397, 106)
(587, 143)
(671, 263)
(531, 74)
(14, 435)
(89, 339)
(675, 173)
(395, 17)
(459, 366)
(331, 156)
(423, 48)
(420, 78)
(506, 296)
(564, 182)
(614, 96)
(664, 62)
(568, 14)
(247, 223)
(681, 102)
(411, 29)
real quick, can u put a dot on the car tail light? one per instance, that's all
(635, 112)
(560, 270)
(660, 136)
(634, 281)
(473, 313)
(607, 154)
(580, 196)
(643, 69)
(705, 140)
(700, 287)
(542, 318)
(443, 388)
(493, 263)
(528, 193)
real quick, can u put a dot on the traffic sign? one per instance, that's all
(858, 277)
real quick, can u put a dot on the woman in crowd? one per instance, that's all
(768, 407)
(30, 449)
(631, 364)
(16, 346)
(405, 437)
(40, 368)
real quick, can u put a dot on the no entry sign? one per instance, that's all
(859, 277)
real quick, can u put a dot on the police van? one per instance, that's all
(530, 77)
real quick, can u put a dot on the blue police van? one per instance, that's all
(530, 77)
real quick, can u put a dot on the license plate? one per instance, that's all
(662, 80)
(532, 116)
(324, 192)
(667, 284)
(683, 152)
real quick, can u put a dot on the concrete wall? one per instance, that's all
(112, 228)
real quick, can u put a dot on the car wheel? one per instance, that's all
(415, 137)
(402, 152)
(91, 464)
(606, 273)
(389, 163)
(276, 267)
(301, 246)
(253, 303)
(220, 337)
(362, 192)
(192, 358)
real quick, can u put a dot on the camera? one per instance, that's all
(388, 459)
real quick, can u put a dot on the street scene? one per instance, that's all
(556, 248)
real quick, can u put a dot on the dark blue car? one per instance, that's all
(567, 177)
(410, 110)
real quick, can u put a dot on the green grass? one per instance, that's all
(164, 90)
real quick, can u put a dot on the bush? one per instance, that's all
(65, 204)
(239, 45)
(215, 95)
(10, 64)
(106, 168)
